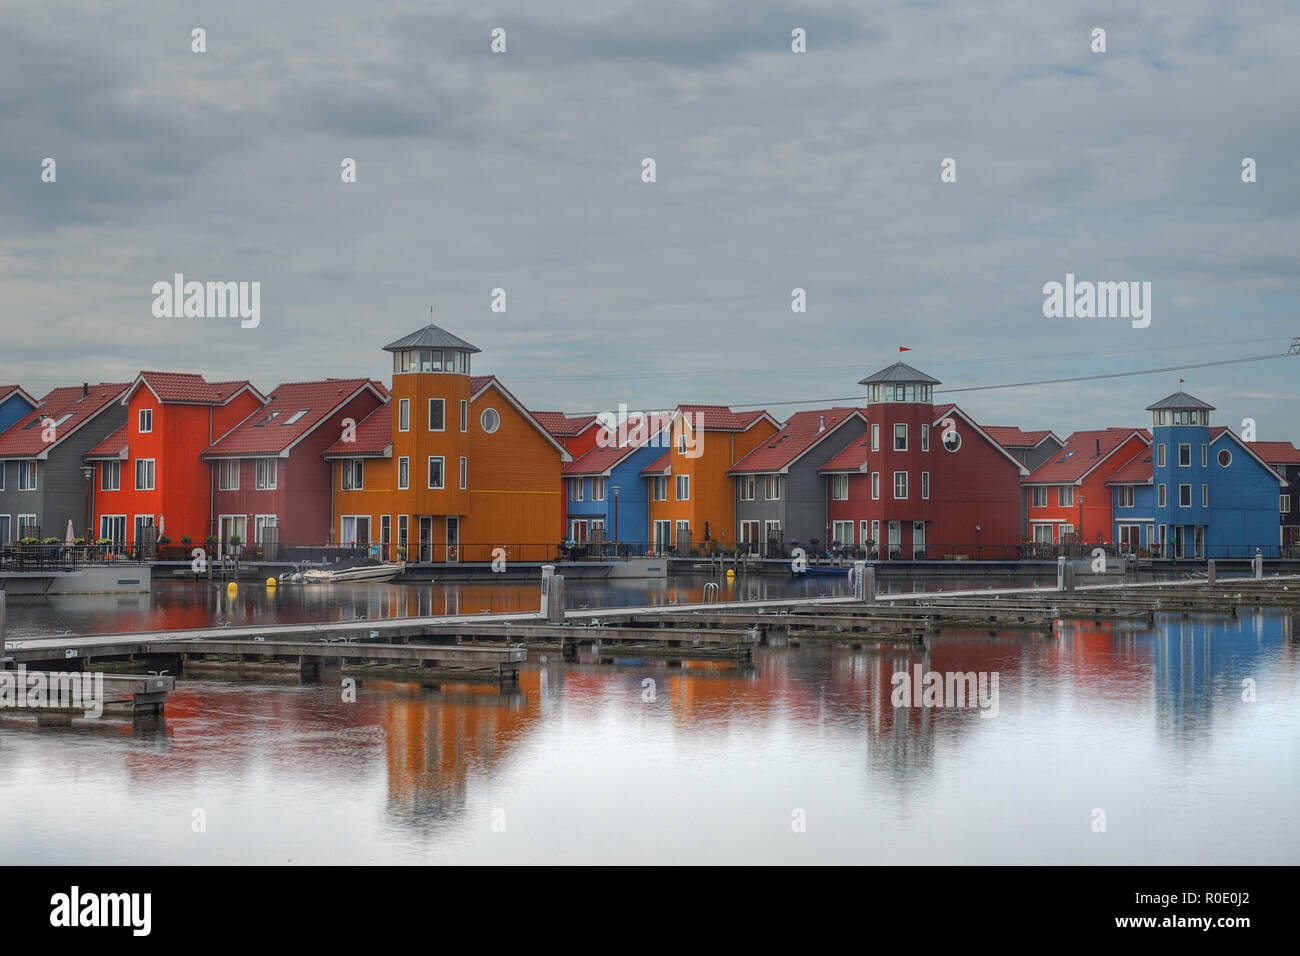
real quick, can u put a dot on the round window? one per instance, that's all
(1225, 458)
(490, 420)
(951, 440)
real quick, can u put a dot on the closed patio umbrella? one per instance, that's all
(70, 538)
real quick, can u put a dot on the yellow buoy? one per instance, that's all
(270, 583)
(232, 588)
(731, 573)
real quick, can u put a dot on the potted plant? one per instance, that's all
(163, 540)
(401, 553)
(186, 540)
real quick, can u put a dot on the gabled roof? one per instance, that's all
(562, 426)
(480, 383)
(430, 337)
(114, 448)
(720, 418)
(69, 408)
(1138, 470)
(641, 426)
(852, 459)
(660, 466)
(1180, 400)
(1222, 431)
(187, 388)
(8, 391)
(803, 432)
(1277, 452)
(899, 372)
(273, 429)
(373, 438)
(1009, 436)
(1083, 452)
(944, 411)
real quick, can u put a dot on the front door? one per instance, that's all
(426, 538)
(229, 528)
(1177, 545)
(663, 531)
(453, 539)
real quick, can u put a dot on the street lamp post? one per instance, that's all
(616, 489)
(88, 472)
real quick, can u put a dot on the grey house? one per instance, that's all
(1031, 449)
(42, 479)
(780, 497)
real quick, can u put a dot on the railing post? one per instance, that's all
(1209, 570)
(1060, 572)
(1258, 562)
(2, 624)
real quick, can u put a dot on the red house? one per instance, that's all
(924, 481)
(271, 482)
(1068, 499)
(148, 473)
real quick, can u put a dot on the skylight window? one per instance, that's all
(296, 416)
(268, 419)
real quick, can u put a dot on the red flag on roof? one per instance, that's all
(904, 348)
(1181, 381)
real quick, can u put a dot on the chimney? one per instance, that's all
(821, 424)
(1098, 446)
(85, 389)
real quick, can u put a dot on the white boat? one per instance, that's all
(364, 573)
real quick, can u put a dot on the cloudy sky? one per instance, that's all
(775, 170)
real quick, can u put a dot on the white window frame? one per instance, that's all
(837, 527)
(464, 415)
(1205, 455)
(144, 415)
(925, 486)
(1205, 495)
(1124, 496)
(104, 472)
(875, 436)
(29, 475)
(660, 487)
(403, 473)
(925, 437)
(1181, 446)
(225, 468)
(442, 472)
(1035, 493)
(575, 489)
(875, 486)
(747, 483)
(403, 414)
(839, 487)
(1065, 496)
(900, 436)
(1181, 486)
(906, 489)
(1160, 455)
(442, 406)
(353, 477)
(1284, 504)
(771, 487)
(683, 481)
(598, 489)
(464, 472)
(266, 474)
(151, 472)
(1162, 497)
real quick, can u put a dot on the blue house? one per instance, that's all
(606, 503)
(14, 405)
(1209, 494)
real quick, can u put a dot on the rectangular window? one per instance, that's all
(2, 475)
(403, 414)
(1160, 496)
(1284, 504)
(925, 484)
(925, 438)
(875, 533)
(435, 471)
(842, 531)
(864, 533)
(146, 421)
(1160, 455)
(1124, 496)
(772, 487)
(746, 487)
(875, 437)
(575, 489)
(918, 539)
(1205, 455)
(749, 535)
(900, 437)
(895, 538)
(1042, 534)
(1184, 496)
(403, 474)
(144, 474)
(464, 472)
(1151, 533)
(113, 527)
(110, 476)
(6, 530)
(875, 486)
(268, 473)
(1067, 531)
(228, 474)
(1205, 496)
(294, 419)
(1038, 497)
(1065, 496)
(264, 528)
(598, 489)
(437, 408)
(403, 530)
(1184, 455)
(464, 415)
(353, 474)
(900, 485)
(840, 487)
(683, 487)
(661, 488)
(27, 475)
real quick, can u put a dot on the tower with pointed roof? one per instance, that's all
(431, 441)
(1180, 429)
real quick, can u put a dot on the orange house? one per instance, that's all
(148, 473)
(455, 468)
(692, 499)
(1068, 499)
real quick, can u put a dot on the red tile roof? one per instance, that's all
(1009, 436)
(260, 434)
(720, 418)
(1083, 451)
(853, 458)
(114, 446)
(374, 435)
(1276, 452)
(21, 441)
(7, 390)
(561, 425)
(803, 431)
(640, 428)
(660, 466)
(1136, 471)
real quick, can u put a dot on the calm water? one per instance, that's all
(1146, 724)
